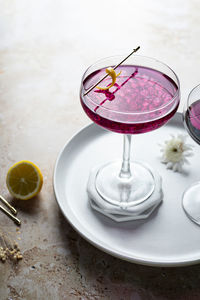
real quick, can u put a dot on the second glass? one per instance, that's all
(145, 96)
(191, 114)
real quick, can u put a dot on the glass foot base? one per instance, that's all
(191, 202)
(122, 191)
(121, 213)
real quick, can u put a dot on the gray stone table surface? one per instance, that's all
(45, 46)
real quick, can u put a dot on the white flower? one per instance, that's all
(175, 152)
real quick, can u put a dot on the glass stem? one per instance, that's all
(125, 168)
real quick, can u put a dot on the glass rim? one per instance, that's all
(190, 93)
(187, 107)
(176, 95)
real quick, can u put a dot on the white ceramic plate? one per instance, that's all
(168, 237)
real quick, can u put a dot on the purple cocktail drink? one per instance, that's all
(124, 108)
(144, 97)
(192, 120)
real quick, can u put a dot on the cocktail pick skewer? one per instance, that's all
(16, 220)
(12, 209)
(92, 87)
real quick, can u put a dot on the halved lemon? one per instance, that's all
(24, 180)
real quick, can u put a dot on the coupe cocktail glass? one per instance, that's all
(191, 114)
(144, 97)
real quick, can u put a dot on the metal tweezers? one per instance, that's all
(11, 208)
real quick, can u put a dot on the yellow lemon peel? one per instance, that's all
(111, 72)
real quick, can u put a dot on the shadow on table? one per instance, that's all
(30, 207)
(123, 280)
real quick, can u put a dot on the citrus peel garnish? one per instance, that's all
(111, 72)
